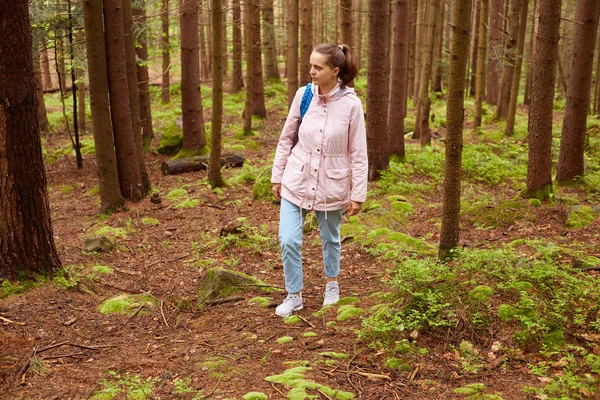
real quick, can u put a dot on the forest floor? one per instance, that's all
(173, 349)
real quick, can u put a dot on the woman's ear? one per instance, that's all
(336, 71)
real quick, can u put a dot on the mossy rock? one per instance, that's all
(580, 216)
(216, 283)
(127, 303)
(171, 141)
(371, 205)
(503, 214)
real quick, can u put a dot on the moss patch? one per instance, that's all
(261, 301)
(127, 303)
(349, 312)
(580, 216)
(285, 340)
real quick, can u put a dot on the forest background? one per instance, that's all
(469, 273)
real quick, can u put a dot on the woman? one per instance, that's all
(326, 171)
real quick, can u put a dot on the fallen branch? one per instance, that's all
(224, 300)
(348, 376)
(199, 163)
(163, 314)
(369, 375)
(168, 261)
(305, 320)
(8, 321)
(279, 391)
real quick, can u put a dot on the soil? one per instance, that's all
(170, 342)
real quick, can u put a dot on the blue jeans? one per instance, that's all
(290, 240)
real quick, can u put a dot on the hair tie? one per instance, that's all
(341, 47)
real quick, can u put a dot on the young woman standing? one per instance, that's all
(326, 171)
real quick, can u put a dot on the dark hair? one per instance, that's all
(340, 56)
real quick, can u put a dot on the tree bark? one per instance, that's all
(26, 241)
(39, 90)
(439, 51)
(475, 39)
(258, 86)
(419, 40)
(509, 130)
(495, 48)
(106, 160)
(356, 29)
(306, 42)
(292, 49)
(346, 21)
(510, 50)
(249, 67)
(46, 75)
(204, 56)
(237, 83)
(401, 28)
(455, 115)
(377, 104)
(134, 99)
(572, 143)
(481, 59)
(529, 53)
(130, 178)
(214, 168)
(271, 68)
(412, 48)
(191, 101)
(165, 51)
(543, 70)
(142, 73)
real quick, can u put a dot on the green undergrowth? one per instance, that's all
(119, 386)
(301, 388)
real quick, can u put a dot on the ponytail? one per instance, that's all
(340, 56)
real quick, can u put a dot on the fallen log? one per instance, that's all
(199, 163)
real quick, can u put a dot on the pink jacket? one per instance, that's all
(328, 166)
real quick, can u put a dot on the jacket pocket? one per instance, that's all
(338, 184)
(293, 176)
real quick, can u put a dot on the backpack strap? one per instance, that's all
(306, 99)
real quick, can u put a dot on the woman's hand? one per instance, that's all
(353, 208)
(277, 191)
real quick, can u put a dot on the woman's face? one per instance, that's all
(321, 73)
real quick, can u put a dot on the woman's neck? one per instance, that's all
(324, 89)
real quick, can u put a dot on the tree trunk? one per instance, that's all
(401, 28)
(59, 54)
(39, 91)
(249, 67)
(543, 70)
(459, 52)
(494, 45)
(130, 178)
(271, 68)
(426, 68)
(165, 51)
(570, 159)
(356, 28)
(529, 53)
(510, 49)
(514, 91)
(214, 166)
(421, 31)
(306, 44)
(237, 83)
(142, 73)
(476, 24)
(439, 51)
(191, 100)
(346, 21)
(204, 57)
(46, 75)
(26, 241)
(410, 91)
(377, 103)
(258, 86)
(134, 99)
(481, 59)
(596, 109)
(292, 49)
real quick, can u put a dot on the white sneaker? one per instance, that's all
(292, 303)
(332, 293)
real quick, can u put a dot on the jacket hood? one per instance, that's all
(334, 94)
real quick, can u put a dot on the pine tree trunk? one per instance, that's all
(106, 160)
(426, 69)
(543, 70)
(345, 7)
(271, 68)
(225, 55)
(237, 83)
(165, 51)
(134, 99)
(481, 59)
(495, 44)
(572, 143)
(459, 52)
(130, 178)
(529, 53)
(356, 31)
(421, 31)
(46, 75)
(191, 101)
(510, 49)
(39, 91)
(476, 24)
(258, 87)
(292, 49)
(249, 66)
(509, 130)
(204, 57)
(26, 241)
(143, 80)
(401, 28)
(410, 92)
(439, 51)
(81, 90)
(596, 109)
(60, 60)
(377, 103)
(306, 43)
(214, 167)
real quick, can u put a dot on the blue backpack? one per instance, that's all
(306, 99)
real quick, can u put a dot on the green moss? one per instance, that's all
(292, 319)
(554, 340)
(255, 396)
(127, 303)
(171, 141)
(535, 202)
(505, 213)
(330, 324)
(110, 231)
(150, 221)
(300, 387)
(322, 311)
(261, 301)
(470, 389)
(349, 312)
(580, 216)
(542, 194)
(396, 363)
(176, 194)
(371, 205)
(262, 189)
(102, 269)
(348, 300)
(285, 340)
(402, 206)
(212, 364)
(309, 334)
(333, 354)
(506, 312)
(188, 203)
(481, 293)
